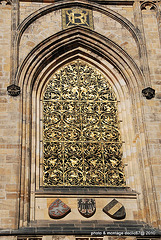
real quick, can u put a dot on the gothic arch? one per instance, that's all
(124, 76)
(94, 6)
(71, 39)
(136, 34)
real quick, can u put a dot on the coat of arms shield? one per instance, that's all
(115, 210)
(58, 209)
(87, 207)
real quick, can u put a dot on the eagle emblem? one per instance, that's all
(87, 207)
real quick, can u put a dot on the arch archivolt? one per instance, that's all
(79, 3)
(75, 38)
(134, 46)
(123, 75)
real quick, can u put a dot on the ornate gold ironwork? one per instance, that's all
(77, 16)
(81, 137)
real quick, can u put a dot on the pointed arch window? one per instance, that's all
(81, 137)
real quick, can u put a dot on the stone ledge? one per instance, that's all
(113, 191)
(96, 228)
(105, 2)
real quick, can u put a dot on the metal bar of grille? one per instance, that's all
(81, 138)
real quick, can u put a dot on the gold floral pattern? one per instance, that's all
(81, 137)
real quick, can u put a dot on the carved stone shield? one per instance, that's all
(87, 207)
(58, 209)
(115, 210)
(13, 90)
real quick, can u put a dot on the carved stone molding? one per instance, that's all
(5, 2)
(13, 90)
(148, 5)
(148, 92)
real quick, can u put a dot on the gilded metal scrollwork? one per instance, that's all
(81, 137)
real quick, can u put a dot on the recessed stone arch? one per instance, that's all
(70, 39)
(122, 73)
(94, 6)
(134, 32)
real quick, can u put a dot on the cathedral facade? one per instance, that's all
(80, 93)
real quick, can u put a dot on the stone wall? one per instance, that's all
(9, 128)
(125, 46)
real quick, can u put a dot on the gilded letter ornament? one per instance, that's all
(77, 16)
(81, 137)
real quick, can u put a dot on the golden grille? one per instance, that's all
(81, 137)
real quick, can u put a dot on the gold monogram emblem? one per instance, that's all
(77, 16)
